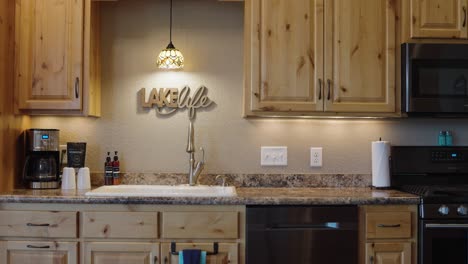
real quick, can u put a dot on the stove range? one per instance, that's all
(439, 175)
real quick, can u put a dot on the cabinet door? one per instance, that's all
(360, 55)
(38, 252)
(388, 253)
(49, 54)
(438, 19)
(228, 252)
(283, 55)
(121, 253)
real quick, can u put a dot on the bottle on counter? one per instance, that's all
(448, 138)
(108, 177)
(441, 138)
(116, 169)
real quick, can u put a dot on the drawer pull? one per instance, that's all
(31, 224)
(388, 226)
(31, 246)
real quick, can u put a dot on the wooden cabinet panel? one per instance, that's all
(120, 225)
(200, 225)
(121, 253)
(388, 225)
(360, 70)
(283, 49)
(388, 253)
(49, 54)
(438, 18)
(38, 224)
(228, 252)
(38, 252)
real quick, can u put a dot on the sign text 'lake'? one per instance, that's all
(168, 100)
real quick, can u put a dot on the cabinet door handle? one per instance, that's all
(155, 260)
(32, 246)
(77, 87)
(371, 259)
(464, 16)
(165, 259)
(329, 88)
(31, 224)
(388, 226)
(320, 88)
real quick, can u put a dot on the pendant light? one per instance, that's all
(170, 57)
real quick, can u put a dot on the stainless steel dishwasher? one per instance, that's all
(302, 234)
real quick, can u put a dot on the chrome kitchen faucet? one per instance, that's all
(194, 170)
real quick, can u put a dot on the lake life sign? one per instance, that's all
(168, 100)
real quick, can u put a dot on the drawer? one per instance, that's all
(38, 224)
(200, 225)
(388, 225)
(120, 224)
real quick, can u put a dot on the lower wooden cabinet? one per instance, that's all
(121, 253)
(38, 252)
(388, 234)
(388, 253)
(228, 252)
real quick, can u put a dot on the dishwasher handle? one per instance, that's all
(324, 226)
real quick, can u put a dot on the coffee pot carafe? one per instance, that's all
(41, 166)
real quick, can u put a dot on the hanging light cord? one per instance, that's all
(170, 25)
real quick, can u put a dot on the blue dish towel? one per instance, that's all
(192, 256)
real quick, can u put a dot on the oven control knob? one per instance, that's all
(462, 210)
(444, 210)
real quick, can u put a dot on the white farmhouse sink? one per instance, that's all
(163, 191)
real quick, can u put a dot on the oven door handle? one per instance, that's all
(446, 226)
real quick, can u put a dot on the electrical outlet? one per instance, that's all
(63, 154)
(316, 157)
(274, 156)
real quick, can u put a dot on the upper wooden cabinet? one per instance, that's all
(438, 18)
(360, 41)
(284, 54)
(56, 46)
(320, 57)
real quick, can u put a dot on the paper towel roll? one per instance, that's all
(380, 164)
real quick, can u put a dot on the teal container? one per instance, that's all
(448, 138)
(441, 139)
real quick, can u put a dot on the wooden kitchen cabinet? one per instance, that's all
(228, 252)
(439, 19)
(388, 234)
(57, 57)
(284, 54)
(38, 252)
(320, 57)
(119, 234)
(121, 253)
(360, 58)
(388, 253)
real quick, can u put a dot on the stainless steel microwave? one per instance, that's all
(434, 79)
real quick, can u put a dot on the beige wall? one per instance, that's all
(210, 35)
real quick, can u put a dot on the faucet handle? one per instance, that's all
(203, 154)
(222, 177)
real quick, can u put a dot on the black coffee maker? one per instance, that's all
(41, 165)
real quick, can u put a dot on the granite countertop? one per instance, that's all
(246, 196)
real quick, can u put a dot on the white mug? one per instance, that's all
(84, 181)
(68, 179)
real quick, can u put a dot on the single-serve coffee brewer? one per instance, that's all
(41, 165)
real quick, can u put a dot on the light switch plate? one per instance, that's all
(316, 157)
(274, 156)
